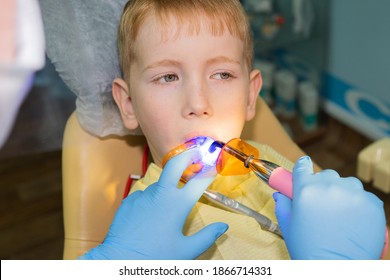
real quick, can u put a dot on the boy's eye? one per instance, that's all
(168, 78)
(223, 76)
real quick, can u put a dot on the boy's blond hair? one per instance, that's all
(222, 14)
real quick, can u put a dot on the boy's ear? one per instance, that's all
(255, 83)
(120, 92)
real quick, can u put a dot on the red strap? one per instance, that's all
(135, 177)
(128, 187)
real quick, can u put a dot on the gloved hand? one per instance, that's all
(330, 217)
(148, 224)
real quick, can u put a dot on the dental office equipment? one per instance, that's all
(238, 157)
(206, 161)
(210, 151)
(229, 203)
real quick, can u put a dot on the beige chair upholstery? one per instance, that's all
(95, 172)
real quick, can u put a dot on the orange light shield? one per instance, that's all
(232, 157)
(208, 156)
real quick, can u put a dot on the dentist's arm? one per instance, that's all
(330, 217)
(148, 224)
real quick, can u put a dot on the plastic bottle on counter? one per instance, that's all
(285, 93)
(308, 96)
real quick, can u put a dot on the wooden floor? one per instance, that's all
(31, 223)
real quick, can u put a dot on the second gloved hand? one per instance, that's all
(149, 224)
(330, 217)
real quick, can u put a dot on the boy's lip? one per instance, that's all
(192, 135)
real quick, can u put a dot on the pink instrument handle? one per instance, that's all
(281, 180)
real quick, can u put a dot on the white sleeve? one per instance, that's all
(29, 37)
(31, 42)
(16, 74)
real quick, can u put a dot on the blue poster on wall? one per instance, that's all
(366, 113)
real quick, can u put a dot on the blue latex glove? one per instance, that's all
(148, 224)
(330, 217)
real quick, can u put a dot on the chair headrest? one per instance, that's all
(81, 42)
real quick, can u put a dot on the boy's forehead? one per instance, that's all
(156, 31)
(158, 45)
(172, 26)
(157, 38)
(158, 24)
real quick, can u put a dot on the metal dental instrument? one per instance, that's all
(229, 203)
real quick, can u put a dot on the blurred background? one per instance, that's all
(324, 66)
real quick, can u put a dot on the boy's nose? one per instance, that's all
(197, 103)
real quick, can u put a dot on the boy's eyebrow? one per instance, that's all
(164, 62)
(220, 59)
(171, 62)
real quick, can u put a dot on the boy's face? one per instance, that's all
(184, 85)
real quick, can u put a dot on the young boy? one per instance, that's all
(187, 72)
